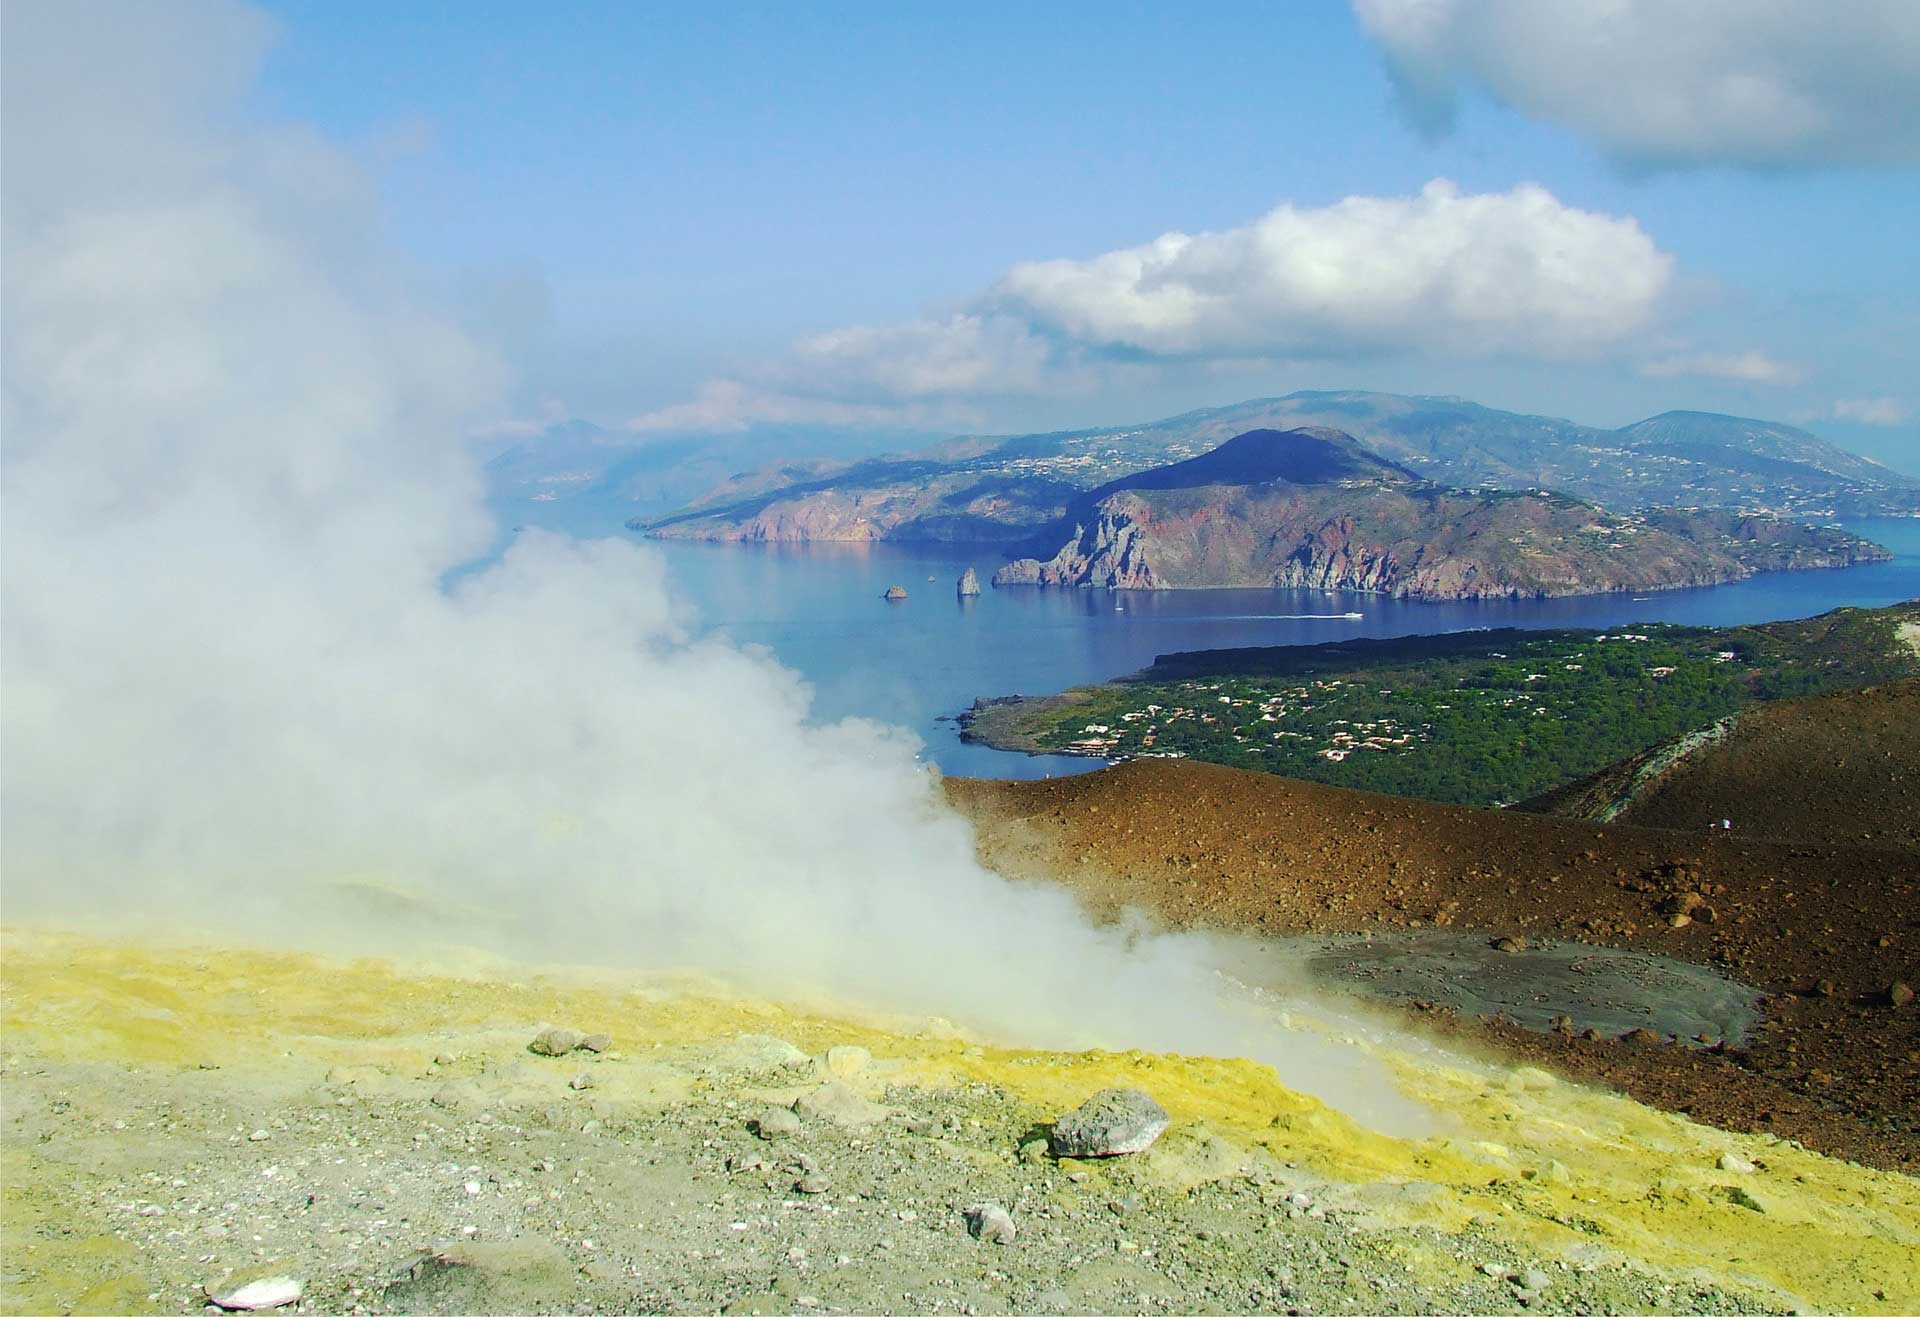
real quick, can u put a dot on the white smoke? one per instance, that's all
(240, 701)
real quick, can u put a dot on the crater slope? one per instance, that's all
(1823, 931)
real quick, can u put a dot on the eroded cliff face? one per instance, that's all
(1413, 542)
(1110, 550)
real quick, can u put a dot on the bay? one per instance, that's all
(916, 662)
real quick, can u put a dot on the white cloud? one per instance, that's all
(1873, 411)
(1442, 273)
(1650, 82)
(1751, 367)
(241, 701)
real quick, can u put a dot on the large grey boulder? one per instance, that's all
(1111, 1123)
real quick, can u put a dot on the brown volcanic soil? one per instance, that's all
(1824, 930)
(1835, 770)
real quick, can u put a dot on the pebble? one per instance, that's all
(775, 1123)
(444, 1058)
(1112, 1123)
(1900, 994)
(259, 1136)
(554, 1042)
(581, 1081)
(812, 1184)
(991, 1223)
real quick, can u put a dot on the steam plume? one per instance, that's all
(234, 483)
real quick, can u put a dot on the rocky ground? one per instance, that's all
(187, 1122)
(1827, 935)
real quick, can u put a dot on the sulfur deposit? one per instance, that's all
(421, 1159)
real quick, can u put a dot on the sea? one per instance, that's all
(918, 662)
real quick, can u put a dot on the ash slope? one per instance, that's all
(1835, 770)
(1822, 930)
(1312, 508)
(997, 489)
(384, 1135)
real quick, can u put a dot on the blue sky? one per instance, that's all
(638, 201)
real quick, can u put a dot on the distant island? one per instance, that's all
(1004, 490)
(1312, 508)
(1475, 718)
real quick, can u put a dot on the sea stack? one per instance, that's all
(895, 592)
(969, 583)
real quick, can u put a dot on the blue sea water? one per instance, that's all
(818, 607)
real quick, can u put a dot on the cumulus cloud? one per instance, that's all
(1873, 411)
(1745, 82)
(1442, 273)
(242, 701)
(1446, 272)
(1751, 367)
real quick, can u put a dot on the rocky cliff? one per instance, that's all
(1001, 489)
(1414, 541)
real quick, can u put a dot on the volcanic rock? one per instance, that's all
(554, 1042)
(255, 1295)
(837, 1103)
(775, 1123)
(845, 1062)
(1111, 1123)
(991, 1224)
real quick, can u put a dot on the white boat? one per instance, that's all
(1353, 617)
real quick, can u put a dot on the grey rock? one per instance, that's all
(1734, 1163)
(812, 1184)
(969, 583)
(254, 1295)
(991, 1223)
(1034, 1151)
(1111, 1123)
(597, 1042)
(554, 1042)
(839, 1104)
(775, 1123)
(459, 1095)
(1535, 1280)
(581, 1081)
(845, 1062)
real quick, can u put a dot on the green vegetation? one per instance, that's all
(1476, 718)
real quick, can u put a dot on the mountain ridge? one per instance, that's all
(1313, 508)
(995, 489)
